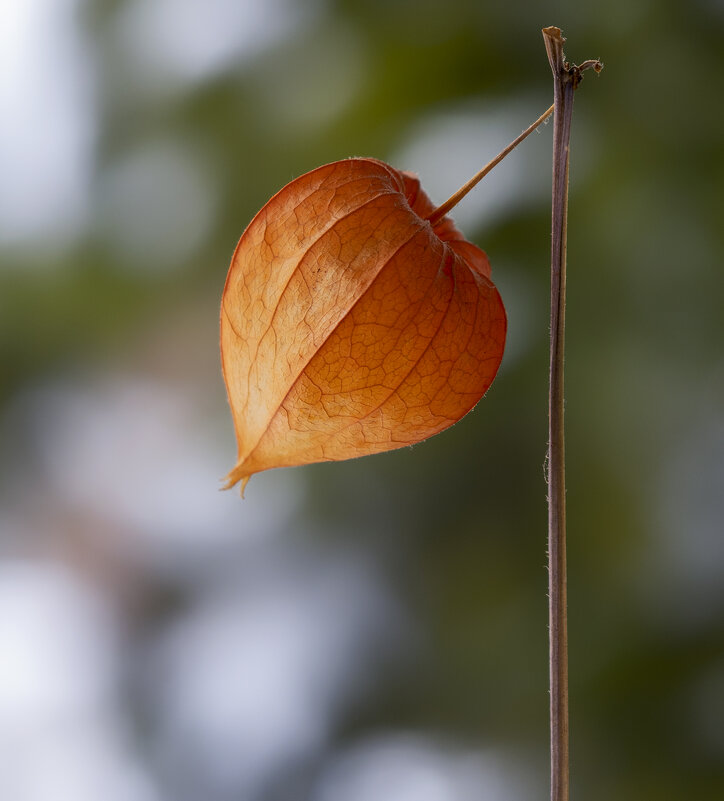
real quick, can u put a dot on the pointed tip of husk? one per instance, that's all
(234, 477)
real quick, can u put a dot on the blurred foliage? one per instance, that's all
(457, 525)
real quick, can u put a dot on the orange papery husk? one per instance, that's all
(349, 324)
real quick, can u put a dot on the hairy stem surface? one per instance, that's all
(565, 80)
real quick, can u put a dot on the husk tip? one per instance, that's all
(234, 477)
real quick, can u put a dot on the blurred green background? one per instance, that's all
(375, 628)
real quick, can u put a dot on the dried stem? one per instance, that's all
(566, 78)
(437, 215)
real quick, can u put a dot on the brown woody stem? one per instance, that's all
(452, 201)
(566, 78)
